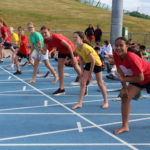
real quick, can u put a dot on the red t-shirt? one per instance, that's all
(55, 42)
(133, 65)
(4, 30)
(23, 49)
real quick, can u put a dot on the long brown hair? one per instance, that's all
(81, 35)
(3, 22)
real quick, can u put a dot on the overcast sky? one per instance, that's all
(142, 6)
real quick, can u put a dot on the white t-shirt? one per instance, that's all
(107, 49)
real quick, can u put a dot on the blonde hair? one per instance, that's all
(11, 28)
(30, 23)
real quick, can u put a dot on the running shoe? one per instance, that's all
(59, 92)
(17, 72)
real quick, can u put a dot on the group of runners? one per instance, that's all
(132, 70)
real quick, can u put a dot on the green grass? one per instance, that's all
(64, 15)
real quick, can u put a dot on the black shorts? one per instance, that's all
(97, 69)
(7, 45)
(1, 39)
(23, 55)
(97, 40)
(145, 86)
(60, 55)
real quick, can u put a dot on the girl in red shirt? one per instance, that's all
(65, 49)
(6, 42)
(132, 69)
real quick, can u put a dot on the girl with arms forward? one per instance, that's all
(90, 58)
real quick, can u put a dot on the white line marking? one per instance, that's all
(77, 114)
(21, 108)
(9, 82)
(62, 144)
(45, 103)
(67, 130)
(79, 127)
(9, 77)
(72, 144)
(21, 95)
(30, 107)
(24, 88)
(68, 114)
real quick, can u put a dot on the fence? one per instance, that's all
(142, 38)
(96, 3)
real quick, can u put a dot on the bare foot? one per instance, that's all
(77, 106)
(55, 80)
(121, 130)
(105, 106)
(32, 81)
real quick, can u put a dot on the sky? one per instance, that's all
(143, 6)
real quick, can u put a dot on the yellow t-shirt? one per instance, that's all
(84, 54)
(15, 37)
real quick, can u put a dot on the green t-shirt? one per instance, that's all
(146, 54)
(35, 37)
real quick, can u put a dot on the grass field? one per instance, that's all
(64, 15)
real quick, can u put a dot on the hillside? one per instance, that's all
(63, 15)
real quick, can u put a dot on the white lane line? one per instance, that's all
(36, 95)
(70, 114)
(77, 114)
(9, 82)
(61, 144)
(40, 77)
(30, 107)
(21, 108)
(13, 91)
(66, 130)
(9, 77)
(71, 144)
(50, 105)
(79, 127)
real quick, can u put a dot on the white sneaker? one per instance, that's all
(66, 74)
(117, 99)
(93, 82)
(75, 83)
(39, 75)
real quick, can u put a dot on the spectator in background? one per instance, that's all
(98, 34)
(130, 42)
(107, 48)
(89, 32)
(101, 54)
(145, 55)
(108, 51)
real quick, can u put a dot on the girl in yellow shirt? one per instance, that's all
(89, 62)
